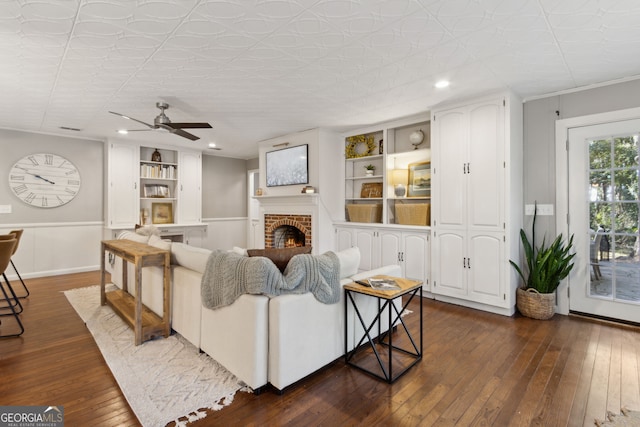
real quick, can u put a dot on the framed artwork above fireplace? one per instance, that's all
(287, 166)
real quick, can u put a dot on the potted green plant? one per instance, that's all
(546, 267)
(369, 169)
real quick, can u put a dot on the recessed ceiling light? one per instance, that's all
(442, 84)
(123, 131)
(213, 146)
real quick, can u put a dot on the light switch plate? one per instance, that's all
(542, 209)
(5, 208)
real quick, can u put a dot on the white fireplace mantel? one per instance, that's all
(309, 199)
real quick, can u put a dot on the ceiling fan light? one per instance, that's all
(442, 84)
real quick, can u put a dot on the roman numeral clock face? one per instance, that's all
(44, 180)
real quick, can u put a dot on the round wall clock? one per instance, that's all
(44, 180)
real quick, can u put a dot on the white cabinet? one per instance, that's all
(381, 246)
(155, 186)
(367, 240)
(122, 185)
(477, 191)
(469, 266)
(190, 187)
(469, 158)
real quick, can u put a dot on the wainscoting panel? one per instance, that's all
(225, 233)
(56, 248)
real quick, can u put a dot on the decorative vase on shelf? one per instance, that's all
(156, 156)
(369, 172)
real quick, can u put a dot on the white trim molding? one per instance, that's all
(562, 176)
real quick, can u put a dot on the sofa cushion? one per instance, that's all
(280, 256)
(349, 261)
(190, 257)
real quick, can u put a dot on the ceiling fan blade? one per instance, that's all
(135, 120)
(185, 134)
(189, 125)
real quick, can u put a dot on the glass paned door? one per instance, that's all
(604, 217)
(613, 216)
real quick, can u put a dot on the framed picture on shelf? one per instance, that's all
(162, 213)
(370, 190)
(419, 180)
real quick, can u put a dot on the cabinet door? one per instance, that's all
(189, 182)
(390, 248)
(415, 259)
(344, 239)
(487, 268)
(486, 170)
(194, 236)
(367, 241)
(449, 159)
(449, 263)
(122, 192)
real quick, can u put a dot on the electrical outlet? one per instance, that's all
(542, 209)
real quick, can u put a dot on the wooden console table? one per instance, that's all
(145, 323)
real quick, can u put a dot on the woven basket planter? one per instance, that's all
(535, 305)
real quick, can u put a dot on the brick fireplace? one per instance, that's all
(301, 211)
(287, 230)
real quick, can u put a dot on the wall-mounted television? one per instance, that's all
(288, 166)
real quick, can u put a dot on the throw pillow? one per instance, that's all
(129, 235)
(349, 262)
(280, 256)
(147, 230)
(239, 251)
(159, 243)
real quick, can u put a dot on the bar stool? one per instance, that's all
(18, 234)
(6, 251)
(15, 302)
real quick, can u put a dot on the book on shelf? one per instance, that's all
(380, 284)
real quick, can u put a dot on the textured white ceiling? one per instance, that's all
(257, 69)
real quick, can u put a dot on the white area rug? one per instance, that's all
(162, 379)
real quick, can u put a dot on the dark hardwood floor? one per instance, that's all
(478, 369)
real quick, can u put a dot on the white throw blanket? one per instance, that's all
(229, 275)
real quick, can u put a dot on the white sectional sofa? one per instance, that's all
(260, 339)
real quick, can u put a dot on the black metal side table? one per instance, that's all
(385, 300)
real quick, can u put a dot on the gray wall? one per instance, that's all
(224, 187)
(539, 136)
(253, 163)
(87, 155)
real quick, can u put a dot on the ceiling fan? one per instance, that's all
(163, 122)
